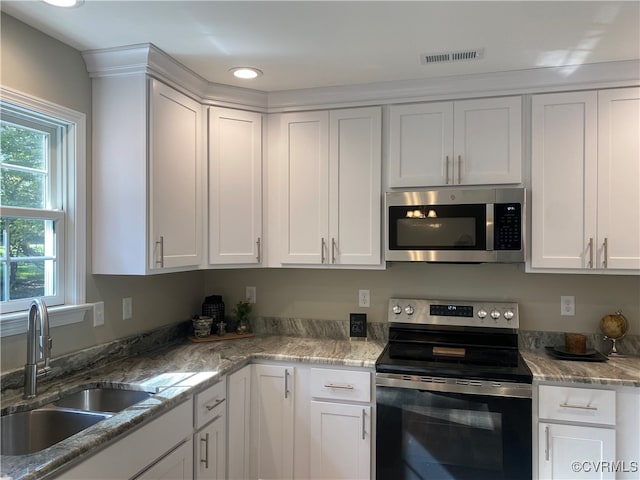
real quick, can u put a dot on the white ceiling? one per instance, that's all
(302, 44)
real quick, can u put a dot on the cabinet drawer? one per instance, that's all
(210, 402)
(585, 405)
(341, 384)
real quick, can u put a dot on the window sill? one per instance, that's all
(16, 323)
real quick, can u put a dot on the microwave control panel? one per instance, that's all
(507, 233)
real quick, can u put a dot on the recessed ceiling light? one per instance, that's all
(246, 73)
(64, 3)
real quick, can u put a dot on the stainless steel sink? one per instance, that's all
(102, 399)
(28, 432)
(34, 430)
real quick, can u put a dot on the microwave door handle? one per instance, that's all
(490, 227)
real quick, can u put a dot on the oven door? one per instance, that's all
(437, 434)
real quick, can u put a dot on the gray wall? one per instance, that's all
(36, 64)
(332, 294)
(41, 66)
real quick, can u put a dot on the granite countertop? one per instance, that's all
(617, 371)
(176, 373)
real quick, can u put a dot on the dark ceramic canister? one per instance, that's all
(213, 307)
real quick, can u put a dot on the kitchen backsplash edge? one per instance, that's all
(100, 355)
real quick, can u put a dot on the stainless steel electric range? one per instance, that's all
(453, 394)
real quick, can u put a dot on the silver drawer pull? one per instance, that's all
(214, 405)
(341, 387)
(579, 407)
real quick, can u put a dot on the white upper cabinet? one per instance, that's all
(619, 179)
(466, 142)
(147, 177)
(330, 186)
(235, 187)
(585, 181)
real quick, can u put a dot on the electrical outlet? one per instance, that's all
(568, 306)
(250, 294)
(364, 298)
(127, 308)
(357, 325)
(98, 314)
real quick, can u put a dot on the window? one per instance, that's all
(42, 200)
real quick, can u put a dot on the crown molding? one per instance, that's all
(537, 80)
(150, 60)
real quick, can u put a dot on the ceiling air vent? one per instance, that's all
(429, 58)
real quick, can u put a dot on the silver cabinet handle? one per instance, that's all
(335, 385)
(446, 170)
(205, 460)
(364, 412)
(215, 404)
(161, 251)
(333, 250)
(459, 168)
(286, 383)
(605, 247)
(590, 252)
(259, 255)
(546, 443)
(579, 407)
(322, 250)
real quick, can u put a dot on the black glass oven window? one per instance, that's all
(441, 227)
(427, 435)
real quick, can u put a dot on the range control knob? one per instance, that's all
(409, 310)
(495, 314)
(397, 309)
(508, 315)
(482, 313)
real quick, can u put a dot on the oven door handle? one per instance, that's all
(455, 385)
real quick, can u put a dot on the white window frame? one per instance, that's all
(74, 197)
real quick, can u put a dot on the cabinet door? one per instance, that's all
(239, 421)
(421, 144)
(488, 141)
(210, 451)
(305, 184)
(355, 186)
(175, 179)
(340, 441)
(177, 465)
(561, 446)
(235, 186)
(619, 178)
(272, 422)
(563, 180)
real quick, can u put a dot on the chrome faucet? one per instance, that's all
(37, 344)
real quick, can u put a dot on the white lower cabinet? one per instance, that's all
(272, 421)
(575, 451)
(159, 446)
(299, 422)
(340, 424)
(209, 451)
(177, 465)
(340, 441)
(239, 424)
(587, 432)
(210, 441)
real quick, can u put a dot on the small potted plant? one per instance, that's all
(242, 311)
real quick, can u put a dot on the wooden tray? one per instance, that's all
(217, 338)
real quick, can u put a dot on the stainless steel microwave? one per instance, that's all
(456, 226)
